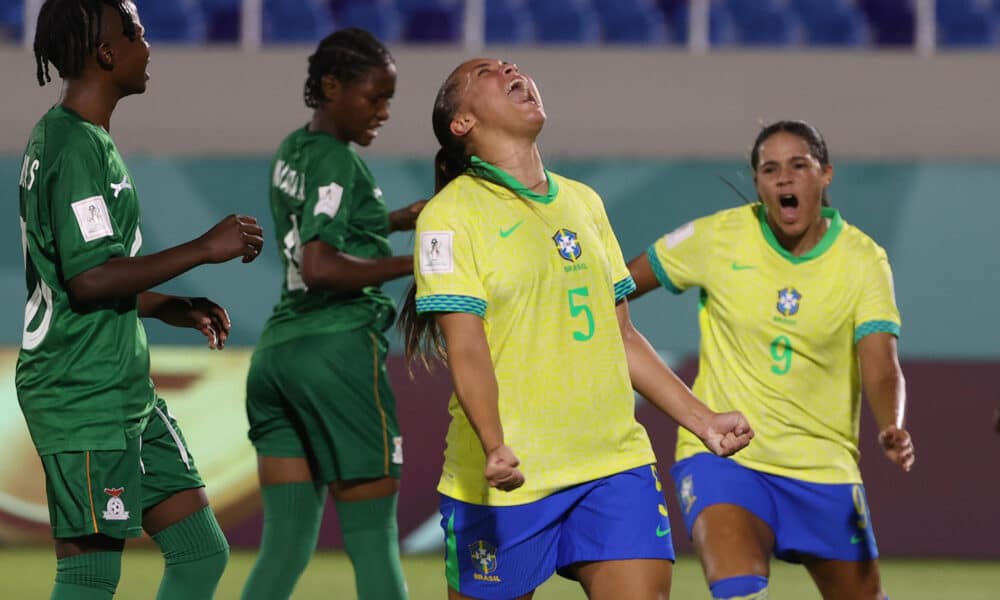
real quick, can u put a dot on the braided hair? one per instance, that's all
(347, 55)
(69, 31)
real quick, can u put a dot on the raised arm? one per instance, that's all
(722, 433)
(885, 389)
(476, 388)
(121, 277)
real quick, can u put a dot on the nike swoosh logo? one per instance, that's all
(662, 532)
(506, 232)
(739, 267)
(856, 539)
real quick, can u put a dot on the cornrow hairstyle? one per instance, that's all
(69, 31)
(809, 134)
(347, 55)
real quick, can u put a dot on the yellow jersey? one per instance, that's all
(545, 273)
(779, 335)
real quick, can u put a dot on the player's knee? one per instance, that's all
(100, 570)
(197, 538)
(742, 587)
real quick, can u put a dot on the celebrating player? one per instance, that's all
(521, 278)
(114, 458)
(793, 301)
(322, 414)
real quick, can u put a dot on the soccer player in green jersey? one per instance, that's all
(322, 414)
(520, 275)
(115, 460)
(797, 315)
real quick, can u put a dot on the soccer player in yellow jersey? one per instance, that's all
(520, 276)
(797, 313)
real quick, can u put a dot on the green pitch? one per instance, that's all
(28, 572)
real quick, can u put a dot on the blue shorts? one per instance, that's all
(829, 521)
(502, 552)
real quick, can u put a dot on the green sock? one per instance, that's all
(89, 576)
(195, 552)
(371, 537)
(292, 516)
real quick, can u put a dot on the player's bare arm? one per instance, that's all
(476, 387)
(327, 268)
(885, 388)
(722, 433)
(642, 274)
(405, 219)
(202, 314)
(120, 277)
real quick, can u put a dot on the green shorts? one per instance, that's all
(326, 398)
(106, 491)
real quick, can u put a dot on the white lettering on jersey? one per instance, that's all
(124, 185)
(679, 235)
(289, 180)
(397, 451)
(436, 252)
(28, 170)
(92, 217)
(329, 200)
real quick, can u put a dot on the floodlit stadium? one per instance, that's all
(655, 105)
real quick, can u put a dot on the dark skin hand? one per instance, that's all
(121, 277)
(196, 313)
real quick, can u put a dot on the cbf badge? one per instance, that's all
(566, 242)
(788, 301)
(484, 557)
(115, 509)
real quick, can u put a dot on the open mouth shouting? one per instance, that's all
(520, 92)
(789, 204)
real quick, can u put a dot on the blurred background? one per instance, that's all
(654, 103)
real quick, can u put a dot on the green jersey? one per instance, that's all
(83, 371)
(322, 190)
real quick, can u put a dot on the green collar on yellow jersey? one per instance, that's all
(494, 174)
(836, 225)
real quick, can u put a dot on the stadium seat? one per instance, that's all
(506, 25)
(832, 23)
(577, 25)
(634, 26)
(296, 21)
(222, 20)
(721, 28)
(177, 21)
(764, 23)
(433, 24)
(11, 19)
(381, 20)
(971, 30)
(891, 21)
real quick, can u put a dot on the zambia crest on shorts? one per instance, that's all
(115, 509)
(484, 557)
(788, 301)
(566, 242)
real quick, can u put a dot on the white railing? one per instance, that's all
(474, 25)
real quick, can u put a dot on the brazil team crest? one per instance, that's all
(484, 558)
(788, 301)
(566, 242)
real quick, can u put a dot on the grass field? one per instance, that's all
(26, 573)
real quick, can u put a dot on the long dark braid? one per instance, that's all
(347, 55)
(69, 31)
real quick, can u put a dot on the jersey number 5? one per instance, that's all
(577, 309)
(781, 352)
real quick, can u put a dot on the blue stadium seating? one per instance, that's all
(178, 21)
(891, 21)
(570, 23)
(634, 26)
(222, 20)
(11, 19)
(432, 23)
(296, 21)
(721, 25)
(381, 20)
(506, 24)
(768, 27)
(832, 22)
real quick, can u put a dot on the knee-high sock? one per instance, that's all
(90, 576)
(292, 516)
(371, 537)
(195, 552)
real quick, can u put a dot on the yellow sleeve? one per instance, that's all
(679, 259)
(620, 275)
(445, 264)
(876, 309)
